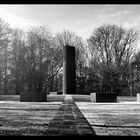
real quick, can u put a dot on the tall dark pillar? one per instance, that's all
(69, 69)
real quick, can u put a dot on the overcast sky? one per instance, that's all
(81, 19)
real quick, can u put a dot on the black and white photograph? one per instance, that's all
(69, 69)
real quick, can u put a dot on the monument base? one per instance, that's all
(103, 97)
(33, 97)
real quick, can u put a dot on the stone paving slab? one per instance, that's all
(112, 119)
(71, 121)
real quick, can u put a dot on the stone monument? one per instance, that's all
(69, 69)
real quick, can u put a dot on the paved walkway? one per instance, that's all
(69, 121)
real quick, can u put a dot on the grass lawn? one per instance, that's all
(32, 118)
(26, 118)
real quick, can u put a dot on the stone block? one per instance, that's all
(103, 97)
(59, 93)
(33, 97)
(138, 97)
(53, 93)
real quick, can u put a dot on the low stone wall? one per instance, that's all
(103, 97)
(33, 97)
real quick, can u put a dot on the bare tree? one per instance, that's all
(18, 63)
(114, 46)
(5, 33)
(113, 43)
(38, 46)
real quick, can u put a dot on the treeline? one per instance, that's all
(32, 60)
